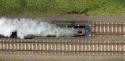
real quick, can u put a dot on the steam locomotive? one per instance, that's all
(79, 29)
(82, 28)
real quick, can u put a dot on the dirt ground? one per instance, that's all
(75, 18)
(59, 58)
(85, 18)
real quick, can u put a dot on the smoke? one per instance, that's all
(25, 27)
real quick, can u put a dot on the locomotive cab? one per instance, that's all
(82, 30)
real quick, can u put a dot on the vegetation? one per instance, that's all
(41, 7)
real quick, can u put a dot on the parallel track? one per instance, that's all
(46, 47)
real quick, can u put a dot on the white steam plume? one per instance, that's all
(25, 27)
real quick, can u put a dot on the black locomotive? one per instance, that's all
(82, 28)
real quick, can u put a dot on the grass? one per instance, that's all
(52, 7)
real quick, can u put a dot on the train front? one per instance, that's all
(81, 28)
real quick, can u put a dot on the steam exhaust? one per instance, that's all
(24, 27)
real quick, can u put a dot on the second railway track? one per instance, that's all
(77, 48)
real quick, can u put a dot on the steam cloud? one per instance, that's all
(25, 27)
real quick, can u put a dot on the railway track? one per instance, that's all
(108, 28)
(65, 47)
(35, 46)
